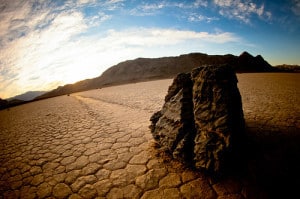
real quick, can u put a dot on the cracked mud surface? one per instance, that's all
(97, 144)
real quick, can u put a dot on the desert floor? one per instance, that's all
(98, 144)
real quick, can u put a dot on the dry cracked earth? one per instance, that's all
(97, 144)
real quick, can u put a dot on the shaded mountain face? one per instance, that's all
(13, 102)
(143, 69)
(247, 63)
(20, 99)
(158, 68)
(30, 95)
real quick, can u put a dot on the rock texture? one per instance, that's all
(173, 126)
(202, 119)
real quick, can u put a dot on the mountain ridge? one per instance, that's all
(143, 69)
(27, 96)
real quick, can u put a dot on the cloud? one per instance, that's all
(194, 17)
(86, 1)
(200, 3)
(112, 4)
(158, 37)
(241, 10)
(114, 1)
(296, 7)
(154, 8)
(44, 45)
(147, 9)
(58, 54)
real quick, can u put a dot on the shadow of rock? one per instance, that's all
(272, 157)
(270, 162)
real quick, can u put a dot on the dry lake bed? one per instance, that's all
(97, 144)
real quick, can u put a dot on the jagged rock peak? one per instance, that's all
(246, 54)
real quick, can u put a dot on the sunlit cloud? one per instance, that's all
(60, 54)
(156, 37)
(48, 43)
(41, 45)
(56, 55)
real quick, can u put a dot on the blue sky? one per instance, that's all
(48, 43)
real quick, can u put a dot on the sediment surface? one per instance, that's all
(98, 144)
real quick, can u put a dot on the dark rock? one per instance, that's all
(173, 125)
(248, 63)
(202, 118)
(218, 115)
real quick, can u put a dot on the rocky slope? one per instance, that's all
(143, 69)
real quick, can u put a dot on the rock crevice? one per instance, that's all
(201, 122)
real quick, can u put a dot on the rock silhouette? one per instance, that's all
(202, 119)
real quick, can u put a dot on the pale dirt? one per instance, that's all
(97, 144)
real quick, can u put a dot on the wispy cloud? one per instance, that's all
(58, 55)
(44, 44)
(241, 10)
(195, 17)
(42, 39)
(296, 7)
(86, 1)
(154, 8)
(148, 9)
(160, 37)
(201, 3)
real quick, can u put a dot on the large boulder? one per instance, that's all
(202, 119)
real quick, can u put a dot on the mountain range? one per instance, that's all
(144, 69)
(20, 99)
(28, 96)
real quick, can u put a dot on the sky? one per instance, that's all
(49, 43)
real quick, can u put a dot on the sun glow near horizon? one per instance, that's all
(49, 43)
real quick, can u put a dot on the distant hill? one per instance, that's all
(142, 69)
(30, 95)
(6, 104)
(20, 99)
(288, 68)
